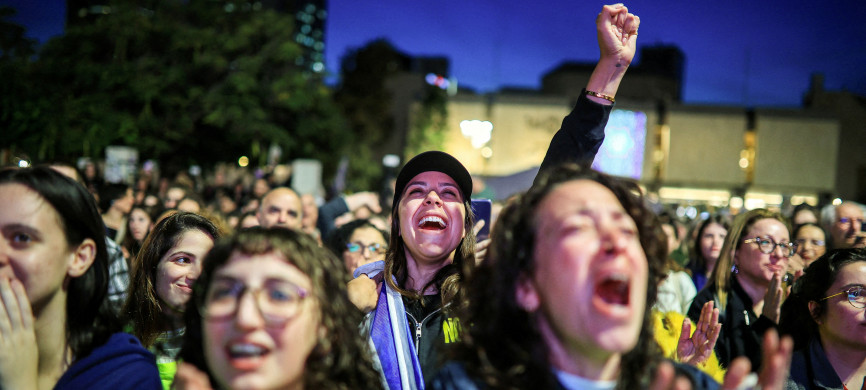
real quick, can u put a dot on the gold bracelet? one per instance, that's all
(600, 95)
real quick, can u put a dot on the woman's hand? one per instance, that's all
(617, 41)
(19, 355)
(617, 33)
(774, 297)
(698, 348)
(189, 377)
(666, 379)
(480, 246)
(364, 292)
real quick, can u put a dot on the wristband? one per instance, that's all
(600, 95)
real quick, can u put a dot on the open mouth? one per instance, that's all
(246, 356)
(431, 222)
(614, 290)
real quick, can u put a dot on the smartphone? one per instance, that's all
(481, 210)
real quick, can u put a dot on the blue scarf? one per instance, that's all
(391, 336)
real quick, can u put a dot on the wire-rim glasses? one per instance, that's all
(768, 245)
(372, 249)
(278, 301)
(855, 296)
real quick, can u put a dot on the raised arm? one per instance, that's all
(582, 130)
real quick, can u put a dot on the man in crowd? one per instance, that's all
(281, 206)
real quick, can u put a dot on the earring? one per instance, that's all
(734, 269)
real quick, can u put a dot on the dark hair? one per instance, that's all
(143, 308)
(807, 207)
(340, 360)
(340, 237)
(796, 318)
(132, 245)
(802, 225)
(504, 345)
(89, 318)
(110, 192)
(699, 262)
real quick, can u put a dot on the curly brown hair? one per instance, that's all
(342, 359)
(504, 347)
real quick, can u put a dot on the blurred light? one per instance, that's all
(837, 201)
(486, 152)
(23, 163)
(713, 197)
(763, 199)
(391, 160)
(755, 203)
(477, 131)
(808, 199)
(736, 202)
(243, 161)
(691, 212)
(318, 67)
(744, 163)
(437, 80)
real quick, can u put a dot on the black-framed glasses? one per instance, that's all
(768, 245)
(372, 249)
(855, 296)
(278, 301)
(802, 242)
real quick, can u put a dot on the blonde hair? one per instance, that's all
(721, 275)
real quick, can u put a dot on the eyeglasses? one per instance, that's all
(855, 297)
(768, 245)
(848, 221)
(278, 301)
(802, 242)
(372, 249)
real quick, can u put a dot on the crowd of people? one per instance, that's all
(582, 283)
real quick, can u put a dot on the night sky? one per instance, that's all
(737, 53)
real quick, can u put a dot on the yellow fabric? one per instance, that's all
(667, 327)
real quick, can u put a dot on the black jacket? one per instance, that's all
(742, 331)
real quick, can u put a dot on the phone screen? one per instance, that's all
(481, 210)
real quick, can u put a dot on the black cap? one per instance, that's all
(434, 161)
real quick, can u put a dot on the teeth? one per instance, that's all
(432, 219)
(618, 278)
(246, 349)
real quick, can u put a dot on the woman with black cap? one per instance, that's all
(432, 244)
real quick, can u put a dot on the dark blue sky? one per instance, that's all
(737, 53)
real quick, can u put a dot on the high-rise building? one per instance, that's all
(309, 31)
(310, 18)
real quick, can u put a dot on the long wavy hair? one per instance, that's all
(448, 279)
(721, 276)
(504, 347)
(89, 318)
(796, 318)
(340, 360)
(144, 310)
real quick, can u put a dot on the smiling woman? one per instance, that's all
(56, 327)
(161, 283)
